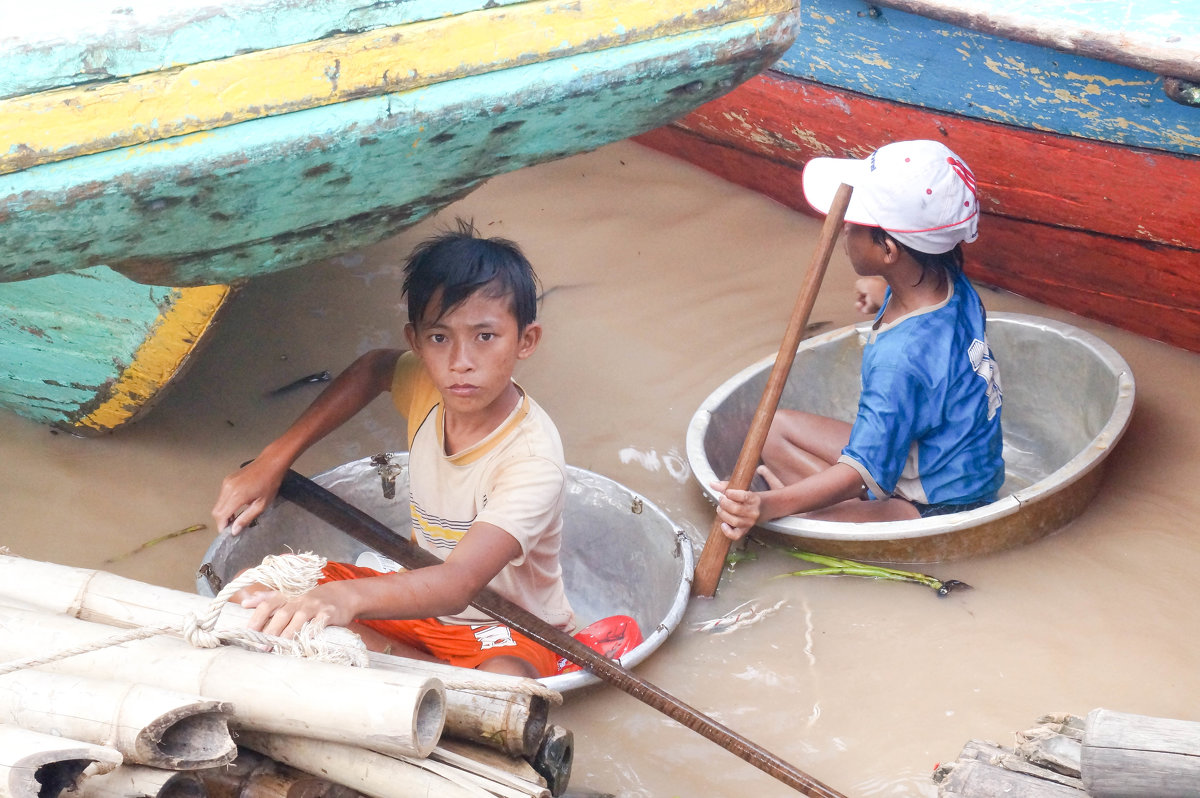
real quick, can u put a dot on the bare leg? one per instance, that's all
(512, 666)
(859, 511)
(801, 444)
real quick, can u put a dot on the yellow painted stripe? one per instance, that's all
(175, 333)
(65, 123)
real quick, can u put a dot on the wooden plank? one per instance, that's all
(286, 190)
(908, 58)
(1082, 240)
(65, 123)
(1159, 36)
(91, 40)
(976, 779)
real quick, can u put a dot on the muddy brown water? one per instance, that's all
(661, 282)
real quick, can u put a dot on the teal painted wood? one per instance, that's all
(279, 192)
(894, 55)
(65, 338)
(89, 40)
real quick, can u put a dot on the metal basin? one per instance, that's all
(621, 554)
(1068, 398)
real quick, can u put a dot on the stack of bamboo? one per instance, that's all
(135, 710)
(1105, 755)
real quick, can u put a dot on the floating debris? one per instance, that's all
(156, 541)
(836, 566)
(320, 376)
(744, 614)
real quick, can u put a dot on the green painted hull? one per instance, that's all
(227, 198)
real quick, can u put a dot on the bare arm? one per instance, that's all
(739, 510)
(444, 589)
(246, 493)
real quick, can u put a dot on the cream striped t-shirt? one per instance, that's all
(514, 479)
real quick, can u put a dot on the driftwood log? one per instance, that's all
(1108, 755)
(390, 711)
(147, 725)
(502, 712)
(35, 765)
(1135, 756)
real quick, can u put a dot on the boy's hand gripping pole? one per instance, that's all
(712, 558)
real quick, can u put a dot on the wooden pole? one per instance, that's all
(712, 558)
(140, 781)
(147, 725)
(362, 527)
(501, 714)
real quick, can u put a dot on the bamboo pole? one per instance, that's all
(148, 726)
(35, 765)
(397, 713)
(369, 772)
(502, 712)
(140, 781)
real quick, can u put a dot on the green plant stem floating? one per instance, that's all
(836, 566)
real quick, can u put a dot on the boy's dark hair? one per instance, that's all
(951, 261)
(459, 263)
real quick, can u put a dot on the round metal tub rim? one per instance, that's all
(1088, 458)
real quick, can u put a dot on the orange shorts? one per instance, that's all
(461, 645)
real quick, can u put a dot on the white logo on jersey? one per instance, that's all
(983, 365)
(493, 636)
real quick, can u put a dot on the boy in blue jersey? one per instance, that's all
(926, 439)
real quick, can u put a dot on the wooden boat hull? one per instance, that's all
(202, 174)
(200, 147)
(1058, 432)
(1084, 166)
(90, 351)
(621, 554)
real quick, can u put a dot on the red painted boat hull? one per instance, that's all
(1108, 232)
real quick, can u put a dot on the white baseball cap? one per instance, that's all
(920, 192)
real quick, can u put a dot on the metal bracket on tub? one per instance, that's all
(388, 471)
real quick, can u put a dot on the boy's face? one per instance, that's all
(867, 255)
(471, 352)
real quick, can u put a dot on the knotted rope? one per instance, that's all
(293, 575)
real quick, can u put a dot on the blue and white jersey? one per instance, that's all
(928, 424)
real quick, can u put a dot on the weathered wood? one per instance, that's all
(35, 765)
(360, 769)
(976, 779)
(1047, 748)
(206, 207)
(140, 781)
(998, 756)
(503, 712)
(92, 350)
(394, 712)
(1135, 756)
(148, 726)
(1071, 248)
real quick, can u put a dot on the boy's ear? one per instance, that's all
(891, 249)
(530, 337)
(410, 335)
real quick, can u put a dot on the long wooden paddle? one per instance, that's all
(362, 527)
(716, 548)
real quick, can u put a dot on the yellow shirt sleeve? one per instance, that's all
(413, 392)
